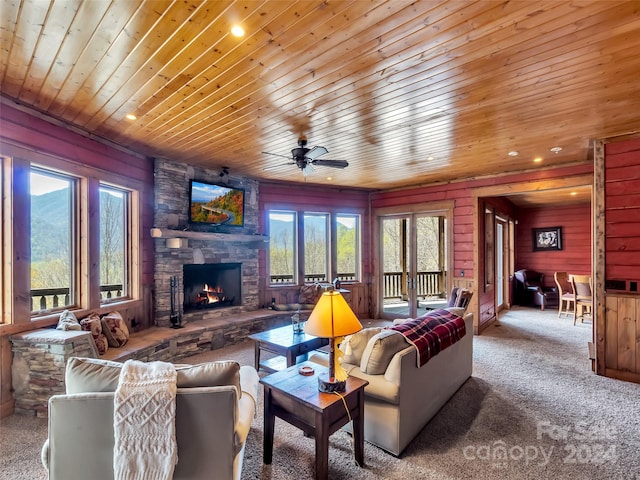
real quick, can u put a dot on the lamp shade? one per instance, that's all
(332, 317)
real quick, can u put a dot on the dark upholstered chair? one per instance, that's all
(531, 290)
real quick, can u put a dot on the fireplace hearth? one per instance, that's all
(212, 285)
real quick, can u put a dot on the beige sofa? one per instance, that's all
(212, 423)
(401, 399)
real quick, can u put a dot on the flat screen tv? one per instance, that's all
(211, 204)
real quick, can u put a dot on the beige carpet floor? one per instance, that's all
(532, 410)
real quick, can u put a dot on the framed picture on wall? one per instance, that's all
(549, 238)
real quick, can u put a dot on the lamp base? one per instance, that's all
(330, 385)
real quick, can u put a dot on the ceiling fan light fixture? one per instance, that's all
(556, 150)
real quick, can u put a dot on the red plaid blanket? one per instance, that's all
(432, 333)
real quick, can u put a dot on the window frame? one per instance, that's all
(128, 226)
(357, 274)
(16, 299)
(327, 245)
(74, 240)
(294, 259)
(331, 233)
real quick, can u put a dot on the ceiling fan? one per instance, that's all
(306, 158)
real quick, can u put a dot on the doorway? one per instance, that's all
(413, 263)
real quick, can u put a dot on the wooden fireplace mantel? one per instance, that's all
(233, 237)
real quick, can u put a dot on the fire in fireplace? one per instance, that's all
(212, 285)
(210, 295)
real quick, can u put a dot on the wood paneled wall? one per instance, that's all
(622, 331)
(575, 256)
(622, 210)
(619, 344)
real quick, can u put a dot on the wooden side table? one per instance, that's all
(295, 399)
(285, 343)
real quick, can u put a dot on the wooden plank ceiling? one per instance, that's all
(408, 92)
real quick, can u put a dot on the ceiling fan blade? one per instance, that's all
(276, 155)
(308, 169)
(331, 163)
(315, 152)
(272, 167)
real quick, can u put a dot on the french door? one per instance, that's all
(412, 263)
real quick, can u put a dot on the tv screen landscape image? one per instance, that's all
(212, 204)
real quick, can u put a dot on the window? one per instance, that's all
(53, 240)
(330, 241)
(114, 224)
(347, 246)
(73, 234)
(316, 242)
(282, 246)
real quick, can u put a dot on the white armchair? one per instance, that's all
(212, 423)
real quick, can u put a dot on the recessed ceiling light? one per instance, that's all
(131, 116)
(537, 159)
(329, 178)
(556, 149)
(574, 193)
(430, 158)
(237, 31)
(513, 153)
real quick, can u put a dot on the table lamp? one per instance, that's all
(332, 318)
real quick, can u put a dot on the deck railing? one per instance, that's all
(428, 284)
(48, 298)
(312, 278)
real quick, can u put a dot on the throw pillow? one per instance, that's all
(456, 310)
(115, 329)
(380, 350)
(353, 345)
(68, 321)
(309, 294)
(92, 324)
(85, 375)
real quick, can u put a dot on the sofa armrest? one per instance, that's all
(247, 405)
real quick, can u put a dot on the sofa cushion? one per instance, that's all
(380, 350)
(353, 345)
(85, 375)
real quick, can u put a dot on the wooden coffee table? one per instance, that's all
(295, 399)
(285, 343)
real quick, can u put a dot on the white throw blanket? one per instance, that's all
(144, 422)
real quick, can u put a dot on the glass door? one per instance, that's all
(395, 265)
(413, 263)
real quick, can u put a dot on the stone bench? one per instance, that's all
(40, 356)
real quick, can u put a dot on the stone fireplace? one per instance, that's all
(180, 247)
